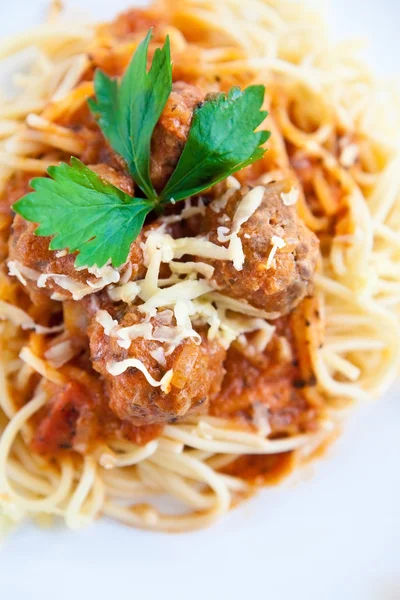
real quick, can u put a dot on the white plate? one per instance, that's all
(334, 536)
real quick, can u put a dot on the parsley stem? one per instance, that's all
(158, 205)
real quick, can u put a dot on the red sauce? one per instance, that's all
(265, 469)
(77, 417)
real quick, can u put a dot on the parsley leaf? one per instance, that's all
(221, 141)
(128, 111)
(84, 213)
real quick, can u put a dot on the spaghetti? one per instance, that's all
(332, 133)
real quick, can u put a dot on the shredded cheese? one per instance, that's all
(277, 244)
(117, 368)
(187, 268)
(245, 209)
(104, 277)
(239, 306)
(222, 234)
(185, 290)
(21, 272)
(125, 293)
(107, 322)
(20, 318)
(159, 355)
(290, 198)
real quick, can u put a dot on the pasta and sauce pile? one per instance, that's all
(200, 257)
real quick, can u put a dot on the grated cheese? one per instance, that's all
(191, 267)
(223, 219)
(109, 324)
(277, 244)
(117, 368)
(236, 252)
(185, 290)
(239, 306)
(126, 293)
(159, 355)
(232, 183)
(60, 253)
(234, 327)
(107, 274)
(245, 209)
(290, 198)
(125, 335)
(104, 276)
(161, 332)
(165, 316)
(200, 247)
(21, 272)
(20, 318)
(222, 234)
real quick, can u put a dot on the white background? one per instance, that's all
(334, 536)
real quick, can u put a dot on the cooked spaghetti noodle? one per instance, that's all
(332, 133)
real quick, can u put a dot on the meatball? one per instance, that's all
(267, 389)
(273, 283)
(197, 372)
(32, 253)
(171, 131)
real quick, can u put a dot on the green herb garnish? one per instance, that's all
(86, 214)
(221, 141)
(98, 219)
(128, 112)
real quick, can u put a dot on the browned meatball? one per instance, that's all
(275, 284)
(171, 131)
(197, 372)
(32, 252)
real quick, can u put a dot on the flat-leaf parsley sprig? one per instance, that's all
(85, 214)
